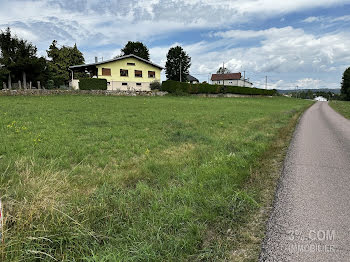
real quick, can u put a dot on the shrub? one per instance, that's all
(50, 84)
(92, 84)
(155, 85)
(205, 88)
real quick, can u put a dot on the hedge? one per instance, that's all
(205, 88)
(92, 84)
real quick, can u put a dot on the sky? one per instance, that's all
(304, 43)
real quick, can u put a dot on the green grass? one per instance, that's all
(93, 178)
(342, 107)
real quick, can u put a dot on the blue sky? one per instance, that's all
(303, 43)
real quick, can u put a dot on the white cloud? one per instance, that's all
(345, 18)
(308, 83)
(24, 33)
(312, 19)
(268, 33)
(115, 21)
(288, 49)
(326, 19)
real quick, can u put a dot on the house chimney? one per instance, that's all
(96, 59)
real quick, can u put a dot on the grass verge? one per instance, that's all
(342, 107)
(133, 178)
(262, 184)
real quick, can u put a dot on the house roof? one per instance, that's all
(230, 76)
(116, 59)
(191, 78)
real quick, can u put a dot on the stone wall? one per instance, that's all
(227, 95)
(45, 92)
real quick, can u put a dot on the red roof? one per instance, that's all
(231, 76)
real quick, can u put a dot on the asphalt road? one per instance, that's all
(310, 220)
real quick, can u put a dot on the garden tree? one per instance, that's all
(345, 85)
(136, 48)
(223, 71)
(177, 58)
(4, 74)
(61, 58)
(19, 61)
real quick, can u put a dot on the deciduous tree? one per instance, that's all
(223, 71)
(136, 48)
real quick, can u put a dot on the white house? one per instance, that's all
(321, 99)
(192, 80)
(231, 79)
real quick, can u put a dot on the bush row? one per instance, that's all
(180, 87)
(92, 84)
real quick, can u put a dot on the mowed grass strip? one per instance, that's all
(98, 178)
(342, 107)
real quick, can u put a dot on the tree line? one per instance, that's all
(311, 94)
(20, 63)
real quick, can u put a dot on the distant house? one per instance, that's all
(192, 80)
(321, 99)
(128, 72)
(231, 79)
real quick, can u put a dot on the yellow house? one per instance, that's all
(128, 72)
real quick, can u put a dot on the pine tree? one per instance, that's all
(177, 60)
(61, 59)
(19, 59)
(345, 85)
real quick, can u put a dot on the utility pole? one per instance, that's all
(223, 73)
(180, 72)
(265, 82)
(244, 79)
(296, 94)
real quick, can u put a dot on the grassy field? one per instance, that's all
(342, 107)
(93, 178)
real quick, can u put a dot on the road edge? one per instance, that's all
(266, 177)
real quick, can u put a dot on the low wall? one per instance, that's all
(46, 92)
(227, 95)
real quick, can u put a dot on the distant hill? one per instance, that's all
(335, 91)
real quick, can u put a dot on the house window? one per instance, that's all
(124, 84)
(138, 84)
(138, 73)
(130, 64)
(106, 71)
(151, 74)
(124, 72)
